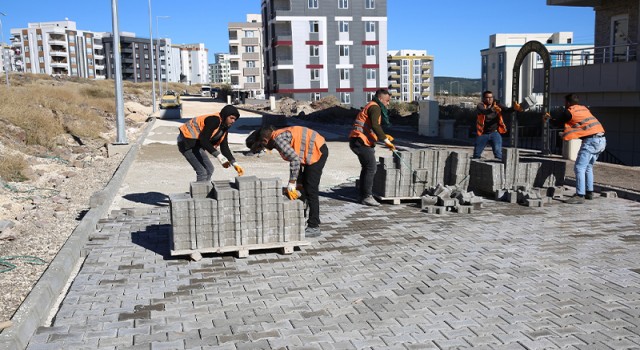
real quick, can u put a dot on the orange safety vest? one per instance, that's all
(502, 129)
(362, 126)
(304, 141)
(193, 128)
(582, 124)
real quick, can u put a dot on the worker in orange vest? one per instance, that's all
(208, 133)
(579, 123)
(306, 151)
(490, 124)
(367, 130)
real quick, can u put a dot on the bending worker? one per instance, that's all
(367, 130)
(307, 153)
(490, 125)
(208, 133)
(579, 123)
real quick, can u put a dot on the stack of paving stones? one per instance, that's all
(407, 174)
(234, 215)
(441, 199)
(530, 183)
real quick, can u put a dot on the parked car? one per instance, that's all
(170, 99)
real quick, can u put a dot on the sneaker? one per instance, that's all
(575, 200)
(312, 232)
(589, 195)
(370, 201)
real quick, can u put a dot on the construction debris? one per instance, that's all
(441, 199)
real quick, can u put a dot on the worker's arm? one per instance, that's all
(374, 113)
(210, 124)
(560, 120)
(224, 148)
(283, 145)
(481, 108)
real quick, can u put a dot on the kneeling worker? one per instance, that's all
(307, 153)
(208, 133)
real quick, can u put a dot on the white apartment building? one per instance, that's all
(174, 67)
(58, 48)
(411, 75)
(194, 59)
(220, 70)
(245, 56)
(498, 61)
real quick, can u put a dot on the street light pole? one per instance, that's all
(153, 81)
(159, 61)
(121, 135)
(4, 59)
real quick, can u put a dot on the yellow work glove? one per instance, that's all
(389, 137)
(517, 106)
(238, 168)
(292, 192)
(389, 145)
(497, 108)
(224, 161)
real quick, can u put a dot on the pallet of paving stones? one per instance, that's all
(248, 214)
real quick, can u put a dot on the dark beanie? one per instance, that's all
(229, 110)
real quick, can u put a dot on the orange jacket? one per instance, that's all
(304, 141)
(502, 129)
(362, 126)
(194, 127)
(582, 124)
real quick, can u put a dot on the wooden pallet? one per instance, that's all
(395, 200)
(242, 251)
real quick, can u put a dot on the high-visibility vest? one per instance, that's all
(362, 126)
(502, 129)
(304, 141)
(582, 124)
(193, 128)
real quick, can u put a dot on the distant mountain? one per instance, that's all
(457, 86)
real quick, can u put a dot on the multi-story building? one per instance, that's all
(135, 57)
(410, 75)
(219, 70)
(58, 48)
(498, 61)
(174, 68)
(317, 48)
(194, 59)
(609, 82)
(245, 56)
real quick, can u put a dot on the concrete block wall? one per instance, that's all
(248, 211)
(410, 173)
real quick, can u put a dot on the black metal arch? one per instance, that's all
(526, 49)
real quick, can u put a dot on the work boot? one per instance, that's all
(575, 200)
(370, 201)
(311, 232)
(589, 195)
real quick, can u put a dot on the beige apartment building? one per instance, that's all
(410, 75)
(245, 56)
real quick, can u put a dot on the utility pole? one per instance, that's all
(153, 81)
(121, 136)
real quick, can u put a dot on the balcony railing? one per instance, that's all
(594, 55)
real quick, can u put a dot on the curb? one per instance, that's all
(34, 310)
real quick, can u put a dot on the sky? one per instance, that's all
(453, 32)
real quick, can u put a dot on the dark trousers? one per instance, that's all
(367, 157)
(310, 179)
(199, 160)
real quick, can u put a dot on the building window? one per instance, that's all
(41, 59)
(249, 49)
(72, 39)
(251, 79)
(39, 37)
(315, 96)
(313, 4)
(249, 33)
(371, 50)
(73, 60)
(145, 47)
(369, 4)
(343, 4)
(344, 74)
(315, 74)
(345, 98)
(314, 51)
(344, 51)
(371, 74)
(314, 26)
(370, 26)
(344, 26)
(40, 48)
(251, 64)
(416, 88)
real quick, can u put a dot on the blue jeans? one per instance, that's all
(587, 156)
(496, 144)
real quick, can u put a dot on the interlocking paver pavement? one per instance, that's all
(503, 277)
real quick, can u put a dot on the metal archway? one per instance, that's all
(540, 49)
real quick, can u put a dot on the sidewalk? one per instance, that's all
(504, 277)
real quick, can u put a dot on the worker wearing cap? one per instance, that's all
(579, 123)
(367, 130)
(208, 133)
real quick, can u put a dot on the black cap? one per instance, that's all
(229, 110)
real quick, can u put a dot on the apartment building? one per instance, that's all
(609, 82)
(410, 75)
(317, 48)
(194, 59)
(58, 48)
(499, 58)
(245, 56)
(220, 70)
(135, 57)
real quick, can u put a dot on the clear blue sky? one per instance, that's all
(454, 32)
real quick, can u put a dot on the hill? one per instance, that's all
(458, 86)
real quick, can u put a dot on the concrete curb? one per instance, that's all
(622, 193)
(34, 310)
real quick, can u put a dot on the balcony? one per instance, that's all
(394, 67)
(250, 71)
(59, 64)
(250, 41)
(395, 85)
(59, 53)
(394, 75)
(250, 56)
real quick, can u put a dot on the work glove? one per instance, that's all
(224, 161)
(546, 117)
(292, 192)
(389, 144)
(497, 108)
(389, 137)
(517, 107)
(238, 169)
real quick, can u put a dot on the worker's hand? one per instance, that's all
(517, 106)
(546, 117)
(223, 160)
(389, 137)
(389, 144)
(238, 169)
(292, 192)
(497, 108)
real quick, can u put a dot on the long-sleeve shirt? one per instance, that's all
(491, 117)
(206, 139)
(560, 120)
(282, 143)
(374, 113)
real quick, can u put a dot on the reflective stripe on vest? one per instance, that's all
(582, 124)
(502, 128)
(193, 128)
(305, 142)
(362, 126)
